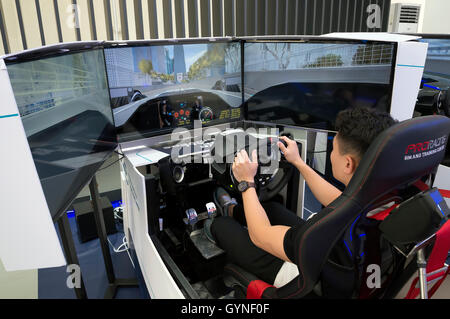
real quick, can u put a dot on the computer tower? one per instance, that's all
(84, 214)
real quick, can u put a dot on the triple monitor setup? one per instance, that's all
(151, 100)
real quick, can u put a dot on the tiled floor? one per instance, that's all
(442, 293)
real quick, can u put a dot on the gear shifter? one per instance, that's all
(284, 143)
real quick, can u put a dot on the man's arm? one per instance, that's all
(265, 236)
(322, 190)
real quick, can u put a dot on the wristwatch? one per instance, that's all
(244, 185)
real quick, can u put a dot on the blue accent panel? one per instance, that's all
(442, 212)
(351, 228)
(70, 213)
(411, 66)
(143, 157)
(7, 116)
(116, 203)
(436, 196)
(432, 87)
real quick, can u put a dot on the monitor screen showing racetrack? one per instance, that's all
(157, 88)
(436, 81)
(307, 84)
(436, 76)
(64, 106)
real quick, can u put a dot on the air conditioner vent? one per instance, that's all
(404, 18)
(409, 14)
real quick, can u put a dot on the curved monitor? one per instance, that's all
(64, 104)
(436, 79)
(436, 75)
(437, 66)
(306, 83)
(159, 87)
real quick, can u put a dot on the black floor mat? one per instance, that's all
(217, 287)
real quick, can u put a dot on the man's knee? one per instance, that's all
(220, 225)
(273, 206)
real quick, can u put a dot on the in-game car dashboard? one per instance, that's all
(178, 109)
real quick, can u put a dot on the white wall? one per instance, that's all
(436, 19)
(18, 284)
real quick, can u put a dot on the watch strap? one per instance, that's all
(247, 186)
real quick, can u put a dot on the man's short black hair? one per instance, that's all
(358, 127)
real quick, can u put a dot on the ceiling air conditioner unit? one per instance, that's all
(404, 18)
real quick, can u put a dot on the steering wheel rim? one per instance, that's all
(267, 190)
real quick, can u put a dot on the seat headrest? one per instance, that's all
(400, 155)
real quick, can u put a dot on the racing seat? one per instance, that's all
(397, 161)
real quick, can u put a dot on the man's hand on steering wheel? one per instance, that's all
(243, 168)
(291, 151)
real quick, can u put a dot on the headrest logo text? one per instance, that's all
(420, 150)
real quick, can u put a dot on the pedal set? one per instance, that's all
(205, 246)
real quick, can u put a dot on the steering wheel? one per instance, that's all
(137, 95)
(441, 103)
(269, 180)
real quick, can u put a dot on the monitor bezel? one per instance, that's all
(51, 51)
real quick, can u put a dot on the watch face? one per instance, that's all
(242, 186)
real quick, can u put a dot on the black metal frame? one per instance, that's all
(71, 254)
(113, 282)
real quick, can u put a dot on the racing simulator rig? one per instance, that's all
(178, 111)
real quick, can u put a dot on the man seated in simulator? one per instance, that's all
(267, 247)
